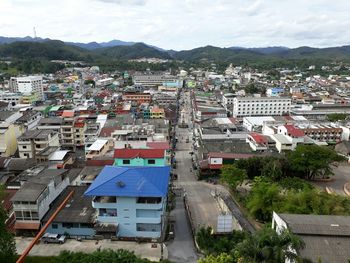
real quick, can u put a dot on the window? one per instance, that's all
(151, 161)
(67, 225)
(24, 146)
(54, 226)
(126, 161)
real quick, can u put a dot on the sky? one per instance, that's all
(182, 24)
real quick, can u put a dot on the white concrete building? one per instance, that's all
(227, 100)
(28, 86)
(260, 106)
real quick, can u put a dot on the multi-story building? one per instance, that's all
(32, 201)
(141, 157)
(227, 100)
(32, 142)
(31, 87)
(67, 130)
(29, 120)
(99, 148)
(139, 98)
(80, 127)
(130, 201)
(8, 138)
(13, 98)
(260, 106)
(157, 113)
(153, 81)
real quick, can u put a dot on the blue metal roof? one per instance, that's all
(131, 181)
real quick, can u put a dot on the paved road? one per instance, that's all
(182, 248)
(341, 177)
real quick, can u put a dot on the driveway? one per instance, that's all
(340, 178)
(143, 250)
(182, 248)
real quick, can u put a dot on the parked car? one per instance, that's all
(53, 238)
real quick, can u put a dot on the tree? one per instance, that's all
(101, 256)
(232, 175)
(268, 246)
(272, 169)
(221, 258)
(7, 241)
(262, 200)
(90, 81)
(251, 89)
(313, 160)
(336, 117)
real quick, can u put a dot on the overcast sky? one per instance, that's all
(182, 24)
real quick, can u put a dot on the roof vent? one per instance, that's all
(120, 184)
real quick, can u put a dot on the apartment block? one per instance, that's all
(31, 87)
(260, 106)
(32, 142)
(130, 202)
(32, 201)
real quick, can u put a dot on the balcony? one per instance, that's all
(104, 202)
(154, 206)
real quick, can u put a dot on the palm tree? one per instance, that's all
(270, 247)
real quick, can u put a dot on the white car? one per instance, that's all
(53, 238)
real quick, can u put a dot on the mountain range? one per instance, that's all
(44, 48)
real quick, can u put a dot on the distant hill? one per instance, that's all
(138, 50)
(243, 55)
(49, 50)
(89, 46)
(332, 53)
(95, 45)
(38, 48)
(263, 50)
(211, 53)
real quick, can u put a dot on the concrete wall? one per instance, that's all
(140, 162)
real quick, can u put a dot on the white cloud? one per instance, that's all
(181, 24)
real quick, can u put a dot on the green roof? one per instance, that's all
(55, 108)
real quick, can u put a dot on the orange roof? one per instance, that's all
(68, 113)
(27, 225)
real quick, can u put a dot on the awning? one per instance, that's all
(27, 225)
(106, 228)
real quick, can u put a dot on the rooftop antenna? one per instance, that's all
(34, 32)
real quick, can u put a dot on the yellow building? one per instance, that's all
(157, 113)
(8, 138)
(30, 99)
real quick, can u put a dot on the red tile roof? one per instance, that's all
(258, 138)
(294, 131)
(141, 153)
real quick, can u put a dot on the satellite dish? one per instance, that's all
(120, 184)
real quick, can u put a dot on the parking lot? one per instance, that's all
(144, 250)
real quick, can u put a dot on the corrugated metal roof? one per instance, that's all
(133, 181)
(141, 153)
(58, 155)
(97, 145)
